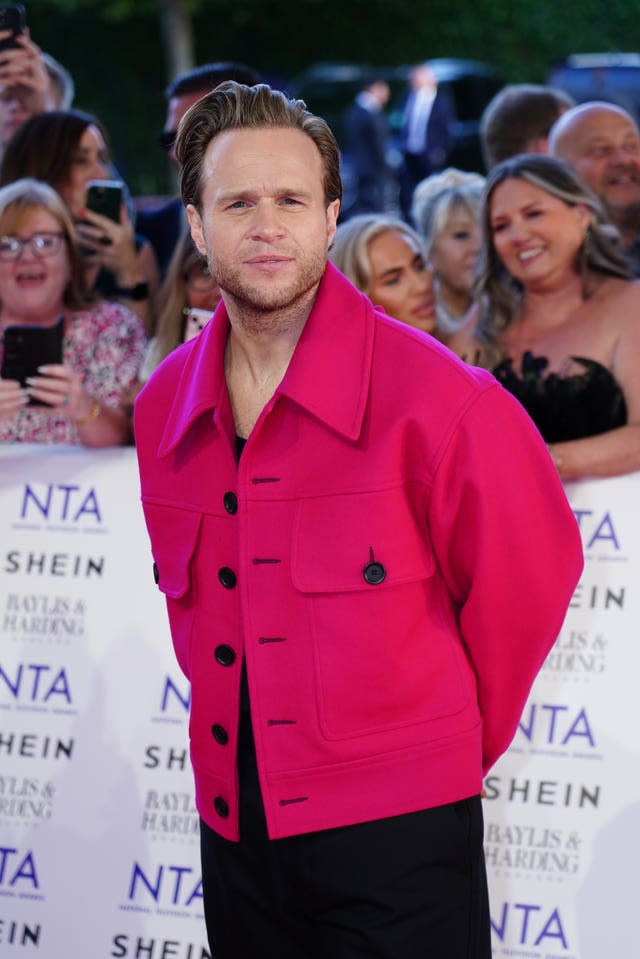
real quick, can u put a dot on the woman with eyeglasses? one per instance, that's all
(188, 297)
(67, 149)
(74, 398)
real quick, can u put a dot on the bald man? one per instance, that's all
(602, 143)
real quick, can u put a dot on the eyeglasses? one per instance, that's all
(167, 138)
(42, 244)
(199, 278)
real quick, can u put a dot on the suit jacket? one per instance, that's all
(366, 135)
(439, 138)
(392, 556)
(163, 226)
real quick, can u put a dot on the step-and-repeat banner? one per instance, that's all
(99, 848)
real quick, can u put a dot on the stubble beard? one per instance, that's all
(259, 308)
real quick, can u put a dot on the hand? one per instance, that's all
(12, 398)
(23, 72)
(112, 245)
(61, 388)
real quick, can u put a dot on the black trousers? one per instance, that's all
(406, 887)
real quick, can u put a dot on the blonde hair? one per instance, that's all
(350, 248)
(439, 196)
(27, 194)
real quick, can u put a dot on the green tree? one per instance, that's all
(122, 52)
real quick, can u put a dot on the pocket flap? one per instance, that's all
(174, 535)
(337, 538)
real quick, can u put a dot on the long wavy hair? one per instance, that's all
(499, 294)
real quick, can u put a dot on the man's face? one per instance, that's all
(265, 226)
(176, 109)
(604, 148)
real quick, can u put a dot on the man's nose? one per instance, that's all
(267, 223)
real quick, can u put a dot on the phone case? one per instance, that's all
(105, 197)
(12, 17)
(25, 348)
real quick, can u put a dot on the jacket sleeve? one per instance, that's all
(510, 552)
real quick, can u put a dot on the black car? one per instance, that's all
(613, 77)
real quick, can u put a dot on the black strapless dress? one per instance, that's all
(565, 407)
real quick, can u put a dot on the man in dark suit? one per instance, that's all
(366, 135)
(164, 225)
(427, 132)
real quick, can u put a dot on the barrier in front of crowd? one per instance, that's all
(99, 849)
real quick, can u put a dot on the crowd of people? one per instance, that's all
(529, 273)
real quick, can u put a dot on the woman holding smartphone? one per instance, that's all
(75, 397)
(67, 149)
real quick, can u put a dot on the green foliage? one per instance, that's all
(114, 47)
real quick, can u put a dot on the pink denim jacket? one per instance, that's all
(393, 556)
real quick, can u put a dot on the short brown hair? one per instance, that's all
(234, 106)
(518, 114)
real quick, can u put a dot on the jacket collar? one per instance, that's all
(328, 374)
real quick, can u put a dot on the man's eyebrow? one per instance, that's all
(250, 194)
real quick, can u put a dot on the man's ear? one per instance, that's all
(332, 220)
(195, 225)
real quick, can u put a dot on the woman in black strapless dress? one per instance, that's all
(558, 319)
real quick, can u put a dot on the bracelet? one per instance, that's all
(92, 415)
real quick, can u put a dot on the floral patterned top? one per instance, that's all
(106, 344)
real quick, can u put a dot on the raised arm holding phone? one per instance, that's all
(24, 82)
(67, 149)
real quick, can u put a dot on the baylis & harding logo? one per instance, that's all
(532, 851)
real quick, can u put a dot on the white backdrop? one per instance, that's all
(98, 831)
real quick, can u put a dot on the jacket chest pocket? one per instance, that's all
(384, 644)
(174, 537)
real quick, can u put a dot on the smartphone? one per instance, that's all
(25, 348)
(196, 320)
(105, 197)
(12, 17)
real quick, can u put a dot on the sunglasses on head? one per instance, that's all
(167, 138)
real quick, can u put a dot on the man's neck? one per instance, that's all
(257, 354)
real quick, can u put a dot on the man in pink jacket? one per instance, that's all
(366, 554)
